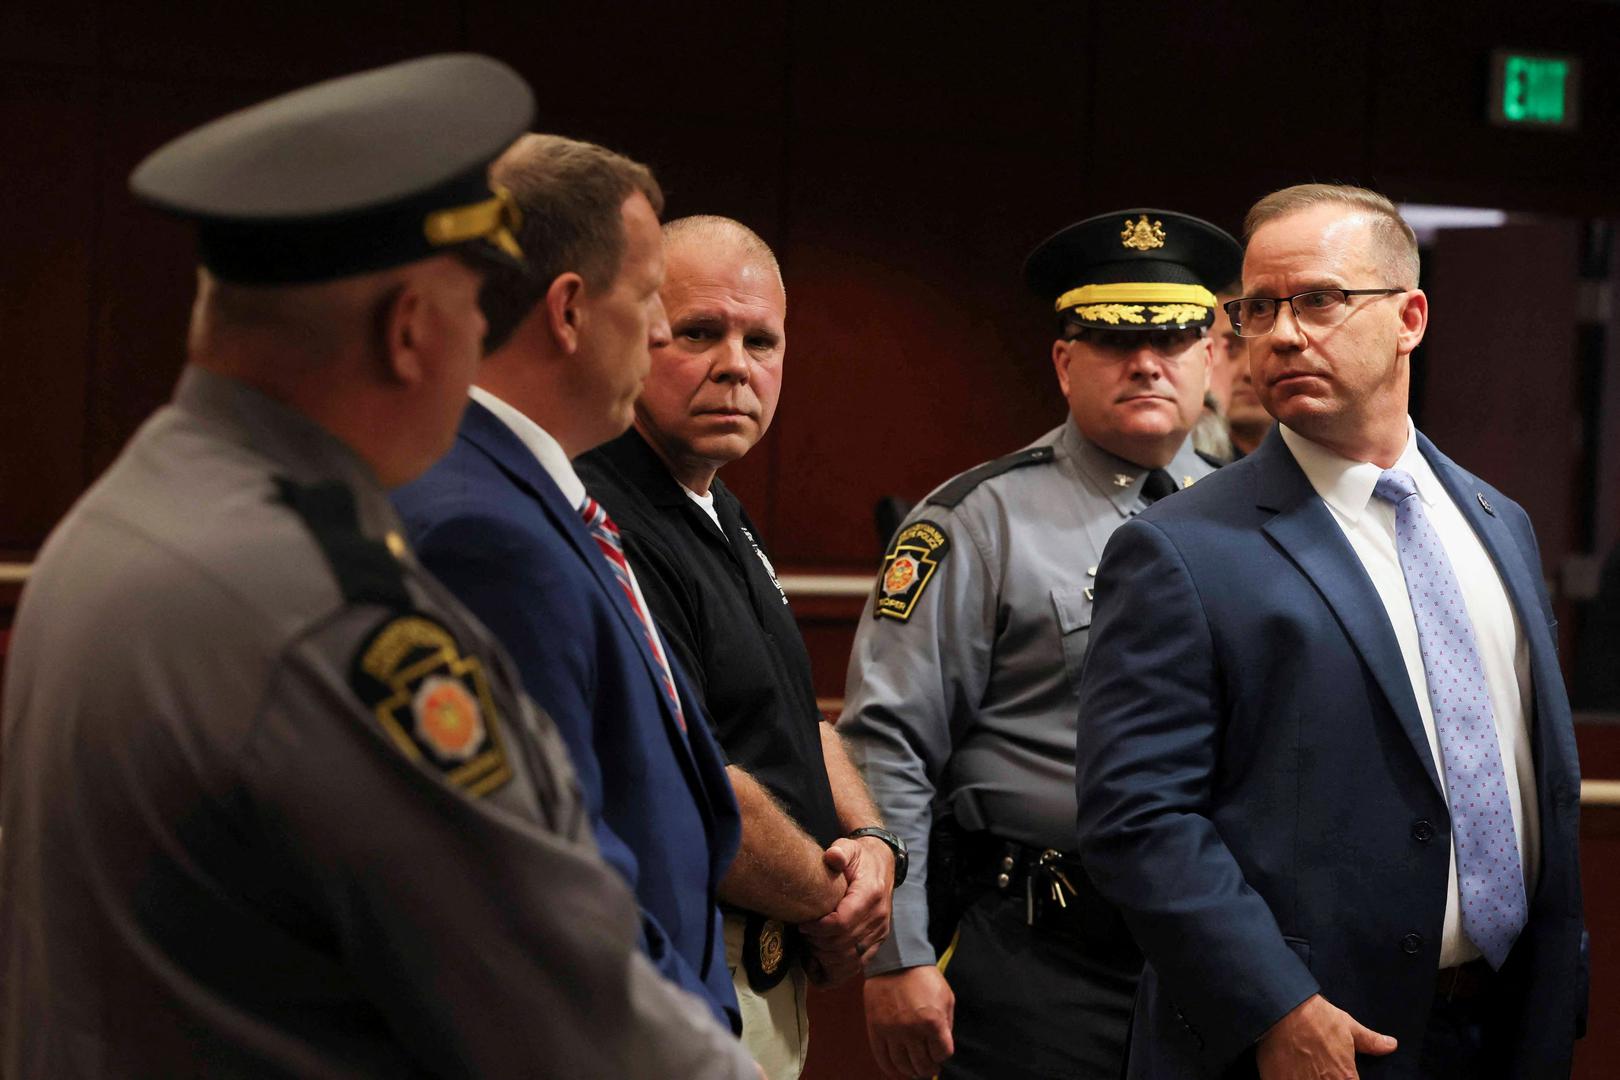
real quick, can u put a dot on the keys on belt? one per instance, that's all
(1046, 874)
(1058, 897)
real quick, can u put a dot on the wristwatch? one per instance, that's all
(902, 859)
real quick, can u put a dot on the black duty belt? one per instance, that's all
(1058, 895)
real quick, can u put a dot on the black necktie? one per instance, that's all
(1157, 485)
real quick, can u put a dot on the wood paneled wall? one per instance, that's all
(902, 161)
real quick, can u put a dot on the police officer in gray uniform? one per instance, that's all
(273, 802)
(961, 701)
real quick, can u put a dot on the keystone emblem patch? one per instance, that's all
(908, 567)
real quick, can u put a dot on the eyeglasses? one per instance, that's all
(1255, 316)
(1169, 344)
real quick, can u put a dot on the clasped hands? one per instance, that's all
(838, 942)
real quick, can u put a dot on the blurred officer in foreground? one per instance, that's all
(813, 853)
(962, 684)
(274, 803)
(504, 521)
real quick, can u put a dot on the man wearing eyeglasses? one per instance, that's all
(962, 686)
(1325, 767)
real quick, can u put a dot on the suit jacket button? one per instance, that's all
(1412, 944)
(1422, 832)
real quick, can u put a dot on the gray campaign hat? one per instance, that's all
(350, 175)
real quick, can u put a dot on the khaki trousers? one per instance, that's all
(775, 1024)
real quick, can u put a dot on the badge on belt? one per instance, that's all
(770, 949)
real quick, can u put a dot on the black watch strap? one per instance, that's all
(902, 858)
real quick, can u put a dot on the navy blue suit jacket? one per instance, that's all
(490, 523)
(1257, 793)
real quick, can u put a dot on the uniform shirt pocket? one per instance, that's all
(1072, 605)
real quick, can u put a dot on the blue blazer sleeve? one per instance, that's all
(546, 619)
(1146, 762)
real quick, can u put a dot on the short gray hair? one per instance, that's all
(711, 227)
(1396, 244)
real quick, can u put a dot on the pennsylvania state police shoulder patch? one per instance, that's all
(433, 702)
(913, 556)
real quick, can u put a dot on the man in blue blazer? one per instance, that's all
(1325, 762)
(502, 520)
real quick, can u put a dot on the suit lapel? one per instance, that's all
(484, 430)
(1306, 531)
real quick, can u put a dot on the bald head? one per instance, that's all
(712, 390)
(722, 236)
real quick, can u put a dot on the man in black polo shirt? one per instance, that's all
(810, 888)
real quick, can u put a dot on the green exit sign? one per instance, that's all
(1540, 90)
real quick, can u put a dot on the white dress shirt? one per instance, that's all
(1369, 524)
(549, 452)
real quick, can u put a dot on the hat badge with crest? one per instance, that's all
(1142, 236)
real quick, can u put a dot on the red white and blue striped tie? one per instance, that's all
(606, 535)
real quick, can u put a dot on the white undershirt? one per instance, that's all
(1369, 524)
(707, 503)
(549, 452)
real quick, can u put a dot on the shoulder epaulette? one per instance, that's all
(957, 490)
(366, 570)
(1211, 460)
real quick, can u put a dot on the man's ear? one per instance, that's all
(402, 315)
(1414, 320)
(1060, 361)
(564, 310)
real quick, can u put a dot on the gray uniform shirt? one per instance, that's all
(219, 859)
(971, 699)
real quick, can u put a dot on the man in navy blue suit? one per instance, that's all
(1325, 762)
(504, 521)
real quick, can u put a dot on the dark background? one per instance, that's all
(902, 158)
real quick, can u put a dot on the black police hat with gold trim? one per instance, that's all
(350, 175)
(1135, 270)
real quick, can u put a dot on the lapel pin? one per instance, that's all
(1485, 504)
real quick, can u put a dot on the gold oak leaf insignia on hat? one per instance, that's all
(1142, 236)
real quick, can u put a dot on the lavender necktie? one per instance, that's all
(1490, 880)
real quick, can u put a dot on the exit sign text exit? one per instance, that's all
(1534, 90)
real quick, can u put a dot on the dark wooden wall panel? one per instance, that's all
(144, 272)
(1205, 107)
(49, 32)
(47, 236)
(1517, 427)
(1430, 138)
(285, 44)
(902, 163)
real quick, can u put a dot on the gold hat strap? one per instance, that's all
(495, 219)
(1147, 292)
